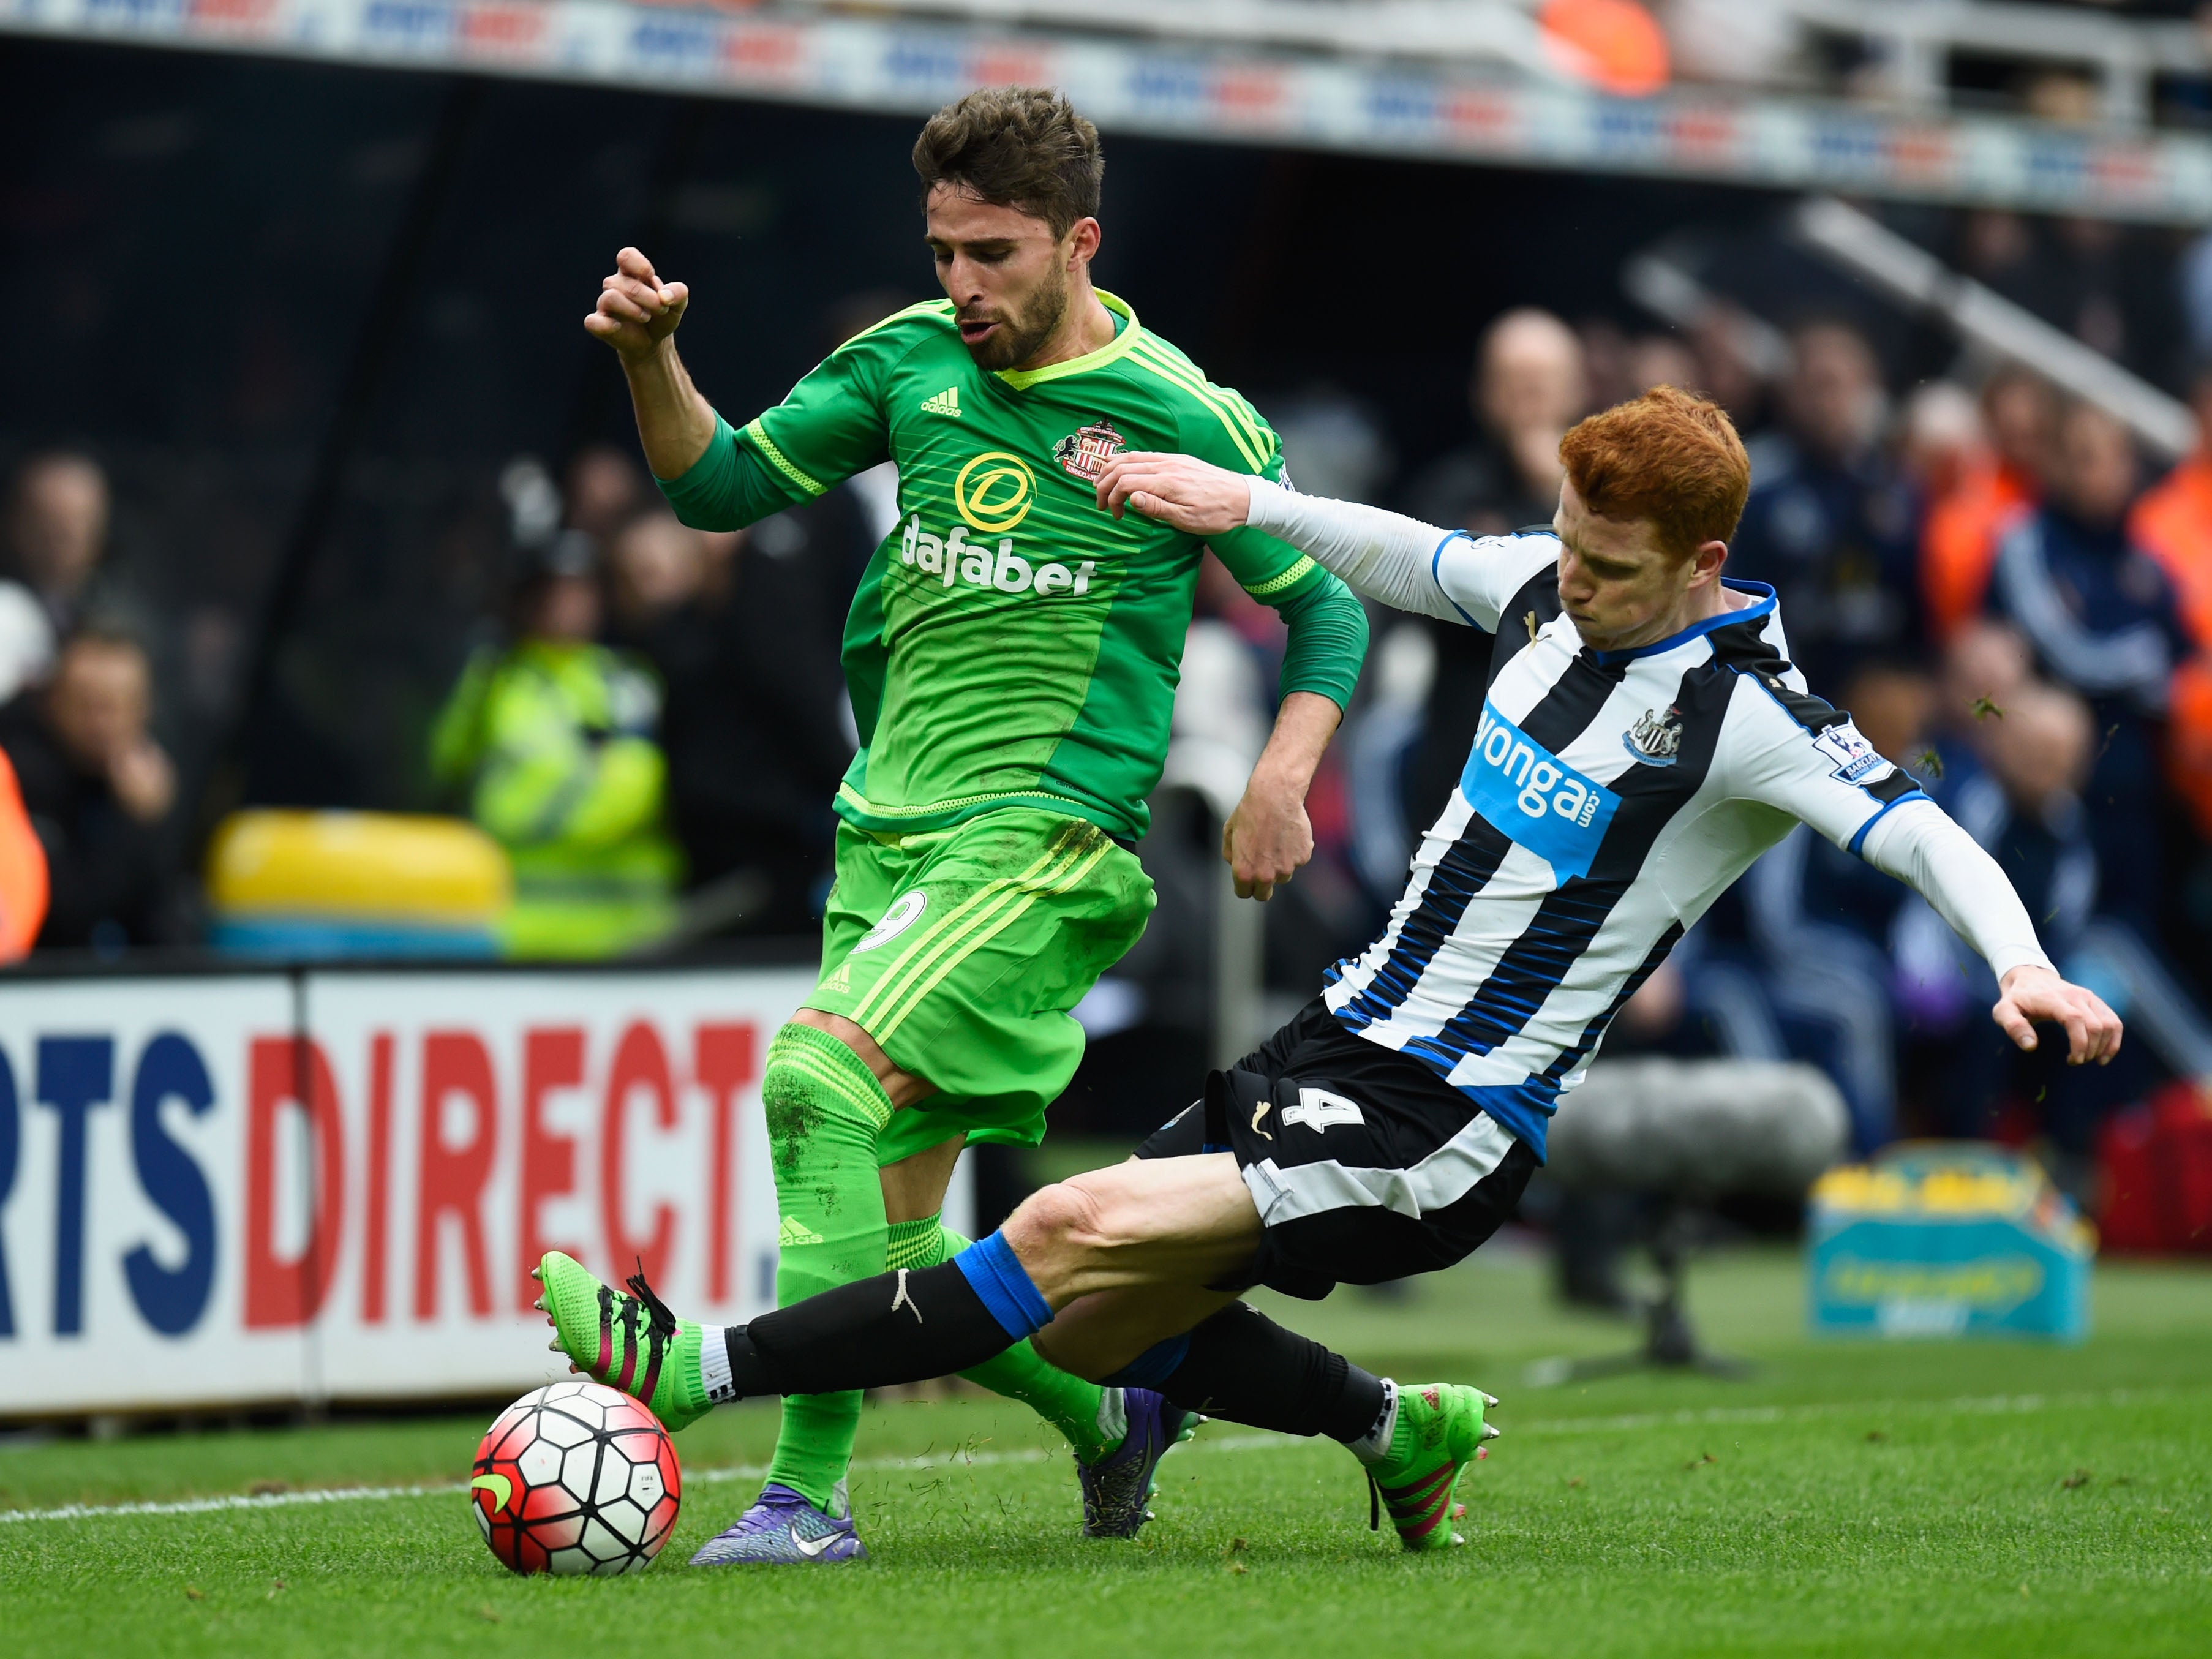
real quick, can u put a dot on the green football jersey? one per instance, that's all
(1011, 643)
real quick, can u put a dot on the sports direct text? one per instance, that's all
(277, 1187)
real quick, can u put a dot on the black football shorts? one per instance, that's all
(1365, 1166)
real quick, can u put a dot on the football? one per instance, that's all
(574, 1478)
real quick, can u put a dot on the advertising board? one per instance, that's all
(311, 1185)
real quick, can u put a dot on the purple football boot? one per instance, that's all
(1116, 1488)
(783, 1529)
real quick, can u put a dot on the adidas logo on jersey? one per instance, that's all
(946, 402)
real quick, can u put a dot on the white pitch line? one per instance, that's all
(213, 1505)
(1989, 1406)
(707, 1477)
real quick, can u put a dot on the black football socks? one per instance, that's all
(1239, 1365)
(900, 1327)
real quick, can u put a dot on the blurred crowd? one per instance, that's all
(2009, 593)
(76, 722)
(655, 726)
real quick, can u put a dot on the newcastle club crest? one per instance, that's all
(1084, 453)
(1655, 738)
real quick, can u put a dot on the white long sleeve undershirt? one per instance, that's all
(1385, 555)
(1389, 557)
(1920, 844)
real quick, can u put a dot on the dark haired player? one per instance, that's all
(1012, 654)
(1645, 738)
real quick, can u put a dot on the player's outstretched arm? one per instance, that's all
(1921, 845)
(1385, 556)
(637, 314)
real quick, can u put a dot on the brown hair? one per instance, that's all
(1670, 457)
(1025, 147)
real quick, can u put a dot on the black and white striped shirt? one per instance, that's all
(1610, 797)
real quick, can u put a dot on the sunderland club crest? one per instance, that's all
(1084, 453)
(1655, 738)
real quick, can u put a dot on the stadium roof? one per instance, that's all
(1229, 90)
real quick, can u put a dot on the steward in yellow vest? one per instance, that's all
(551, 741)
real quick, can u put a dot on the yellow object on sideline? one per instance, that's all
(1946, 1239)
(355, 883)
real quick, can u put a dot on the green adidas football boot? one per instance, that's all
(628, 1342)
(1440, 1431)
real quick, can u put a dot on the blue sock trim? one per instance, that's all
(1152, 1368)
(995, 1274)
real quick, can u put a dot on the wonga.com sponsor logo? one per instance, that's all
(1531, 795)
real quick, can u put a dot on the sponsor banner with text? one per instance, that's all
(332, 1185)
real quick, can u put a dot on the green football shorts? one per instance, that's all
(961, 951)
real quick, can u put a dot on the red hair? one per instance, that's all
(1669, 457)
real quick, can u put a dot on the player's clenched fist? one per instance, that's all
(636, 310)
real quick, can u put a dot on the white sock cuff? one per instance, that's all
(1374, 1446)
(714, 1365)
(1113, 1416)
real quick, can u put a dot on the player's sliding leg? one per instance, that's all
(1235, 1363)
(633, 1342)
(1133, 1246)
(1162, 1227)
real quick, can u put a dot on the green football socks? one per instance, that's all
(824, 1110)
(1090, 1416)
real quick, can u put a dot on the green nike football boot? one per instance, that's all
(1440, 1431)
(627, 1342)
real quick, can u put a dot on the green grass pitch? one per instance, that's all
(1847, 1499)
